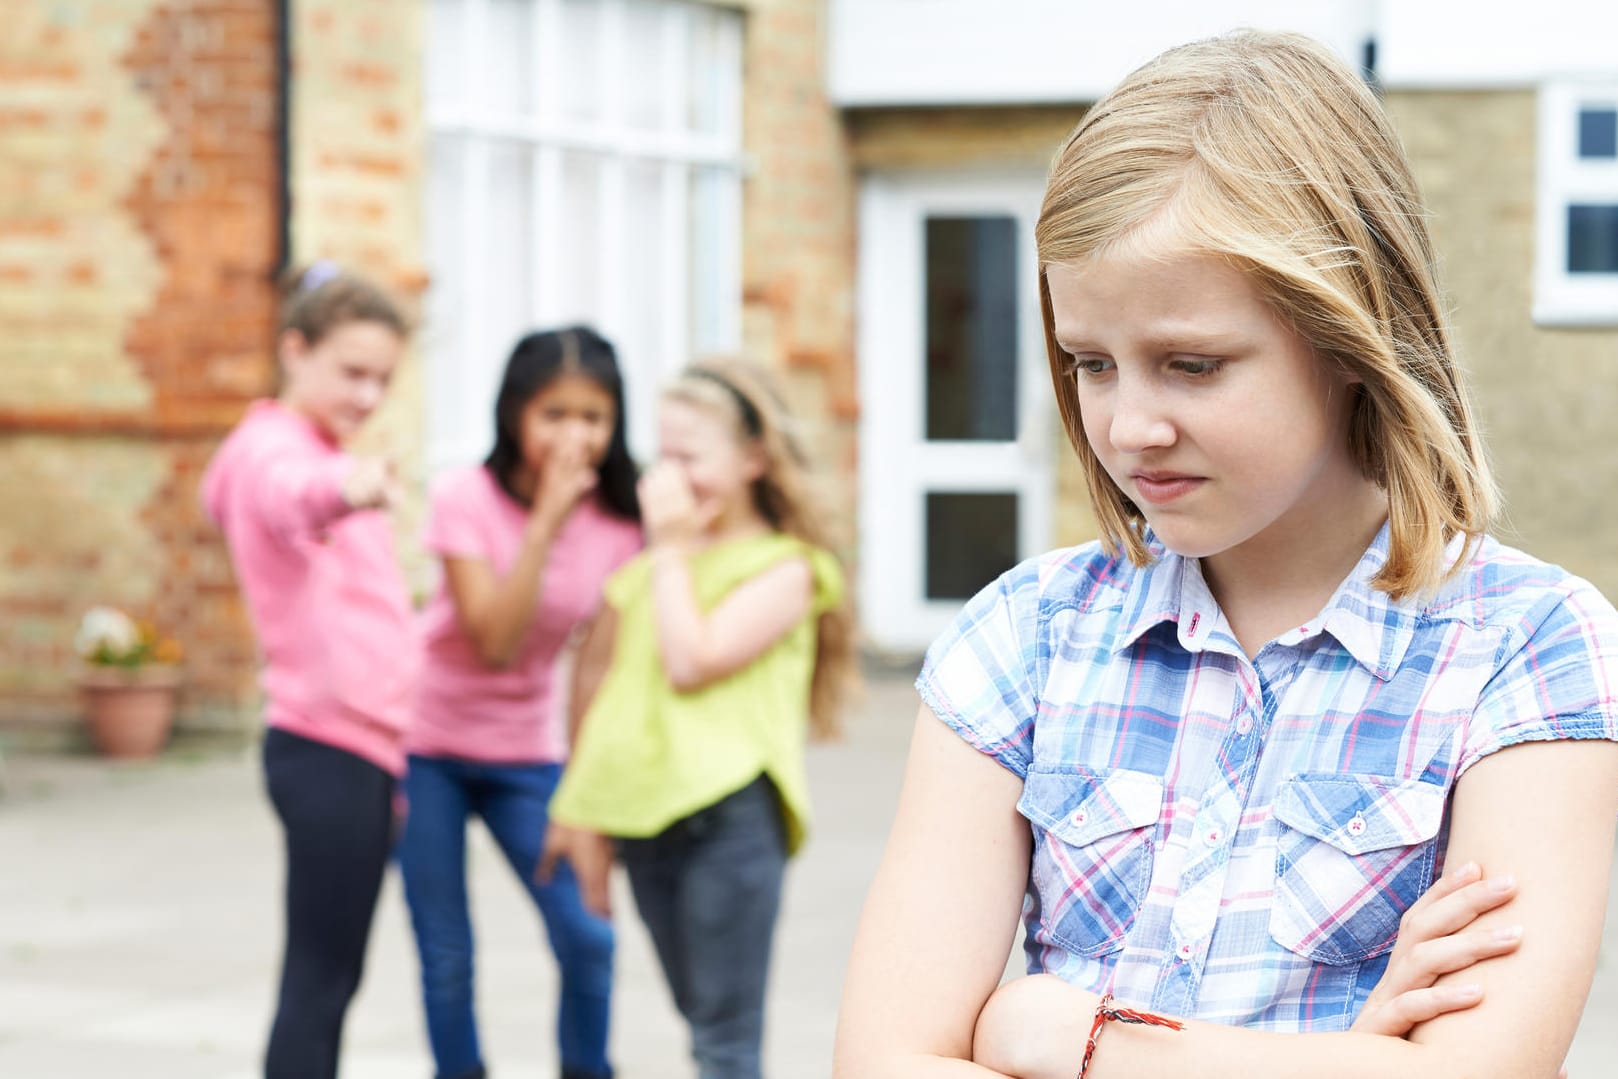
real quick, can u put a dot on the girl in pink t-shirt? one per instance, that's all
(315, 559)
(527, 540)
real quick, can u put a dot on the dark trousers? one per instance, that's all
(336, 811)
(708, 890)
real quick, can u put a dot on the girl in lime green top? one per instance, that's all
(719, 650)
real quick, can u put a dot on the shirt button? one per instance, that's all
(1184, 951)
(1244, 724)
(1080, 816)
(1356, 825)
(1212, 837)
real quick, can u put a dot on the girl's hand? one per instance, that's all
(568, 476)
(590, 856)
(1434, 940)
(370, 484)
(669, 511)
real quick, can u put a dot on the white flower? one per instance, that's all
(106, 628)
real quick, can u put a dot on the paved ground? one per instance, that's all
(138, 916)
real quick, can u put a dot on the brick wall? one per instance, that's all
(1546, 397)
(358, 154)
(798, 228)
(139, 211)
(137, 227)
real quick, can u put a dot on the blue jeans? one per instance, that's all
(512, 800)
(708, 890)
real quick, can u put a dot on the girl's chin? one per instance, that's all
(1187, 542)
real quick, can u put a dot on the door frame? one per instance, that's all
(897, 463)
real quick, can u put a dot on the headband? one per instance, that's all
(319, 272)
(752, 422)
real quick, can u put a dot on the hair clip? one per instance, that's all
(319, 272)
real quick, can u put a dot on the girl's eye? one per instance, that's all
(1198, 367)
(1089, 366)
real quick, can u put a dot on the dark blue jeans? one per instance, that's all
(512, 800)
(708, 890)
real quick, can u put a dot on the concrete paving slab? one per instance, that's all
(139, 930)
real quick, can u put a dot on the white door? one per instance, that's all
(956, 430)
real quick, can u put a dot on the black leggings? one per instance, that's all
(337, 813)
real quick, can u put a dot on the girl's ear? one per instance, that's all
(292, 348)
(755, 462)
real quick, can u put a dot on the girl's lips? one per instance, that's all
(1164, 487)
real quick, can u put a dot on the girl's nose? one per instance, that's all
(368, 395)
(1139, 421)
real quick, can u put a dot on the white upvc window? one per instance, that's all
(585, 166)
(1576, 242)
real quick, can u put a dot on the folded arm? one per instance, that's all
(937, 926)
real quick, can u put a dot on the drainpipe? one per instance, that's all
(283, 134)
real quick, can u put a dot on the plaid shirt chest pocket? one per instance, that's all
(1353, 853)
(1093, 851)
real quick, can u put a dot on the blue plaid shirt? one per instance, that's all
(1232, 839)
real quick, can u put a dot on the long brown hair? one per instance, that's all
(785, 495)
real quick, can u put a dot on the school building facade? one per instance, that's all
(843, 190)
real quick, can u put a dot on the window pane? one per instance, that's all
(581, 238)
(581, 61)
(1598, 132)
(446, 66)
(971, 540)
(507, 309)
(507, 57)
(644, 283)
(707, 255)
(705, 75)
(450, 417)
(972, 328)
(1592, 239)
(644, 58)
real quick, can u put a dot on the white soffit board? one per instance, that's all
(987, 52)
(1484, 44)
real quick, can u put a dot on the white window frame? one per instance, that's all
(1562, 298)
(473, 354)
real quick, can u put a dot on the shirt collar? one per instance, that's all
(1374, 627)
(1371, 626)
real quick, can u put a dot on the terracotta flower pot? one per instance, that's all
(129, 712)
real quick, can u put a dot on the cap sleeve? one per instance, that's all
(627, 581)
(980, 676)
(829, 581)
(453, 520)
(1557, 680)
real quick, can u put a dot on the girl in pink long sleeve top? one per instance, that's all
(314, 554)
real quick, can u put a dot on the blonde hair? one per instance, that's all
(1264, 149)
(745, 395)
